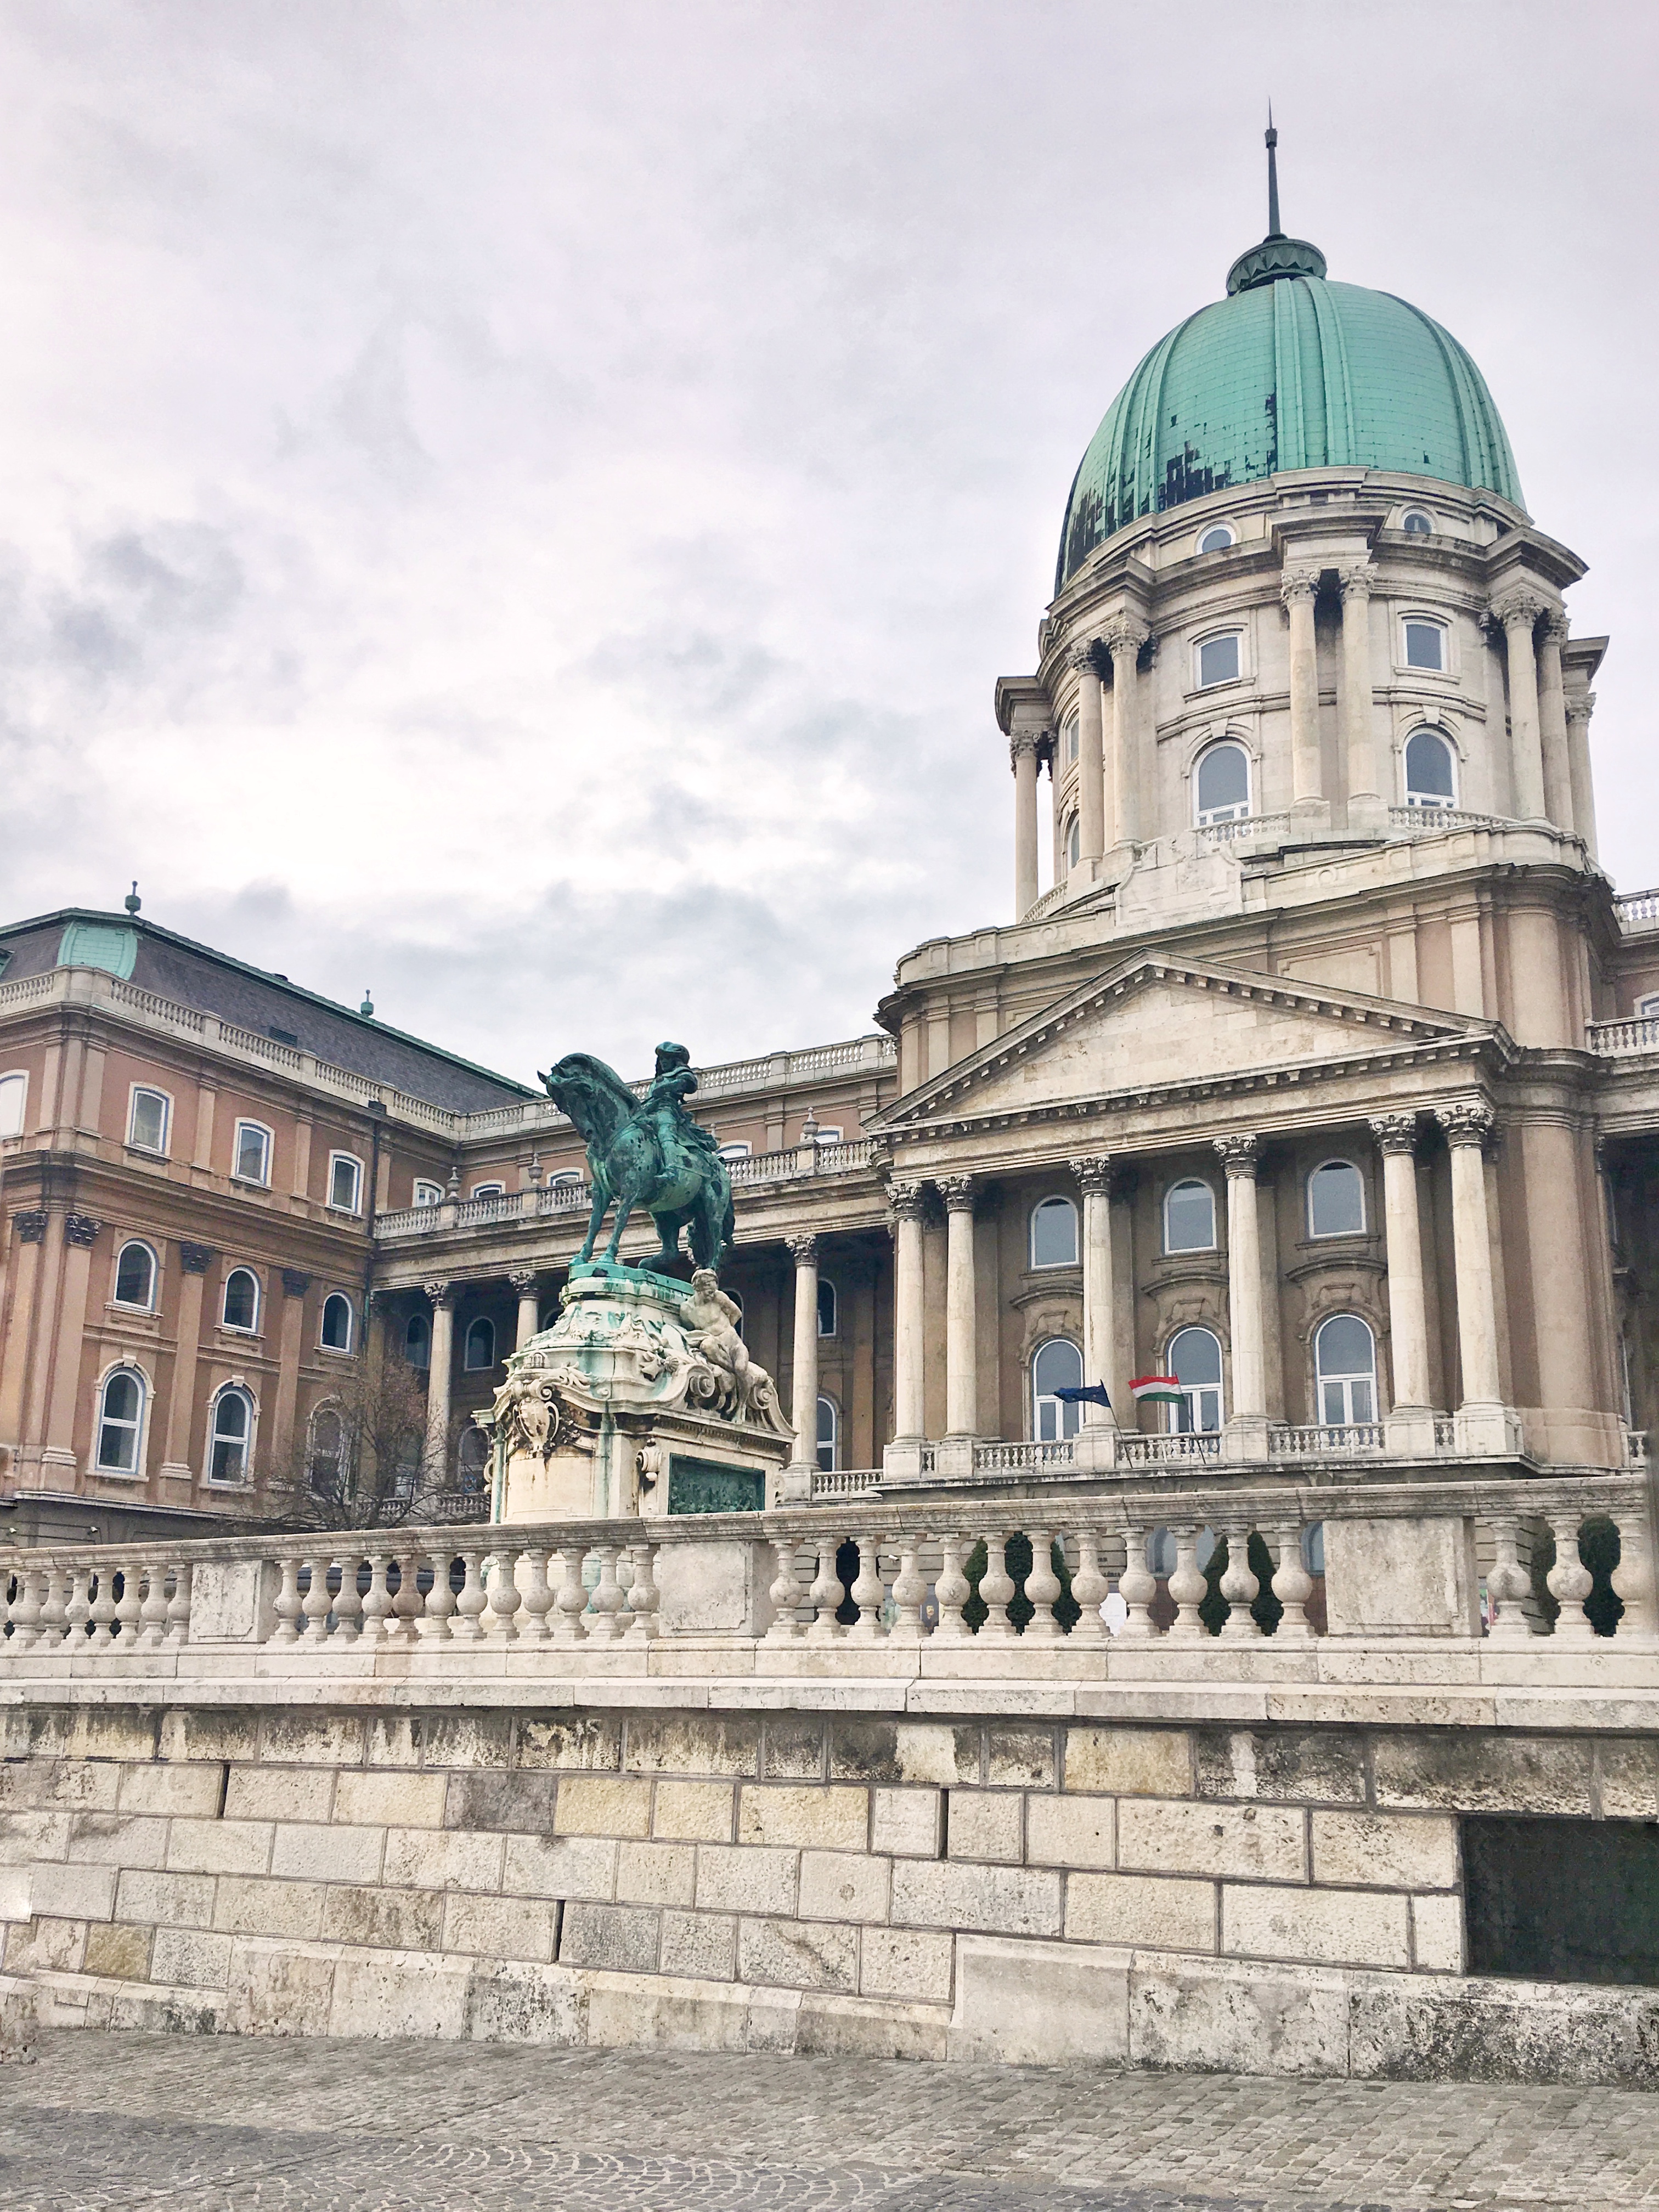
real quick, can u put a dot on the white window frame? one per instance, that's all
(489, 1190)
(125, 1305)
(269, 1153)
(468, 1365)
(339, 1159)
(826, 1405)
(19, 1076)
(566, 1177)
(1430, 802)
(1204, 816)
(1212, 637)
(140, 1428)
(349, 1346)
(1422, 618)
(1180, 1251)
(1188, 1419)
(1052, 1198)
(239, 1328)
(828, 1133)
(1063, 1420)
(423, 1186)
(1345, 1383)
(739, 1149)
(1209, 530)
(1338, 1160)
(826, 1283)
(1406, 515)
(231, 1390)
(135, 1092)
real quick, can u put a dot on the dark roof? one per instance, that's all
(213, 983)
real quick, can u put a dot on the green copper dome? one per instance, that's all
(1289, 372)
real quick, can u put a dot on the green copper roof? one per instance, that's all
(1289, 372)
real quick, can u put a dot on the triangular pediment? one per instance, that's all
(1161, 1024)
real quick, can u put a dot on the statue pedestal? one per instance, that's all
(634, 1402)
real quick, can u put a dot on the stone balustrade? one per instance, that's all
(1455, 1572)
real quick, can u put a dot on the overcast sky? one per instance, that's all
(524, 506)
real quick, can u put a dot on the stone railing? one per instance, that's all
(1436, 821)
(1615, 1038)
(1637, 909)
(1023, 1459)
(1244, 829)
(1455, 1568)
(844, 1482)
(1134, 1450)
(1325, 1439)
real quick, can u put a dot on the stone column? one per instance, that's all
(436, 1455)
(1368, 803)
(1298, 589)
(1247, 1428)
(1023, 756)
(1552, 720)
(1517, 611)
(961, 1309)
(1579, 713)
(523, 1282)
(804, 1382)
(1092, 790)
(1099, 1365)
(909, 1413)
(1410, 1421)
(1123, 637)
(1482, 1423)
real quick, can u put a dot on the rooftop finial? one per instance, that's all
(1274, 230)
(132, 901)
(367, 1009)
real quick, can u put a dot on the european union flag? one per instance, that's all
(1091, 1394)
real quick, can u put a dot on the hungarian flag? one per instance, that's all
(1156, 1390)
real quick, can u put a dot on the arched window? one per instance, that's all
(231, 1436)
(135, 1277)
(738, 1150)
(427, 1194)
(827, 1433)
(13, 1091)
(1219, 658)
(1054, 1233)
(417, 1340)
(1194, 1358)
(1056, 1366)
(326, 1459)
(1416, 524)
(480, 1350)
(1430, 770)
(1336, 1201)
(345, 1182)
(120, 1421)
(1223, 783)
(1217, 539)
(473, 1459)
(148, 1115)
(252, 1152)
(1189, 1216)
(489, 1190)
(828, 1315)
(241, 1306)
(337, 1322)
(1425, 646)
(1344, 1371)
(1071, 735)
(1075, 842)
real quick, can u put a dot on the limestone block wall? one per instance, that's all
(1267, 1899)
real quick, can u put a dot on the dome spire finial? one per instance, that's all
(1274, 229)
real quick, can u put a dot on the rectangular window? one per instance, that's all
(252, 1152)
(1425, 646)
(14, 1090)
(1217, 659)
(345, 1183)
(147, 1126)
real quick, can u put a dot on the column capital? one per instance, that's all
(523, 1280)
(296, 1284)
(1581, 708)
(1094, 1175)
(194, 1259)
(957, 1192)
(1394, 1133)
(441, 1294)
(1238, 1154)
(1080, 656)
(1554, 627)
(1356, 581)
(1469, 1121)
(803, 1249)
(908, 1199)
(1125, 633)
(1518, 608)
(1023, 745)
(1298, 581)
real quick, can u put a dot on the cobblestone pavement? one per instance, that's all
(131, 2121)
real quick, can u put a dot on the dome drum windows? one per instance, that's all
(134, 1278)
(1430, 766)
(1218, 660)
(1221, 786)
(1424, 645)
(1218, 538)
(1416, 523)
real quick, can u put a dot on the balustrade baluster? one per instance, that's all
(54, 1608)
(573, 1597)
(77, 1612)
(1091, 1590)
(408, 1608)
(348, 1601)
(1571, 1581)
(153, 1613)
(1293, 1585)
(951, 1591)
(439, 1607)
(786, 1593)
(624, 1614)
(179, 1603)
(535, 1593)
(1138, 1587)
(909, 1593)
(1508, 1584)
(997, 1589)
(497, 1620)
(1188, 1588)
(27, 1609)
(1239, 1586)
(1633, 1578)
(102, 1612)
(377, 1598)
(606, 1600)
(317, 1602)
(827, 1596)
(471, 1601)
(127, 1610)
(867, 1592)
(1043, 1588)
(644, 1595)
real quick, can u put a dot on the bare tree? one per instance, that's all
(362, 1461)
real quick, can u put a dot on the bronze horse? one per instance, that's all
(646, 1152)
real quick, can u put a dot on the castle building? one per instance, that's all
(1321, 1081)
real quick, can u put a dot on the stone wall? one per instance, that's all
(1266, 1898)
